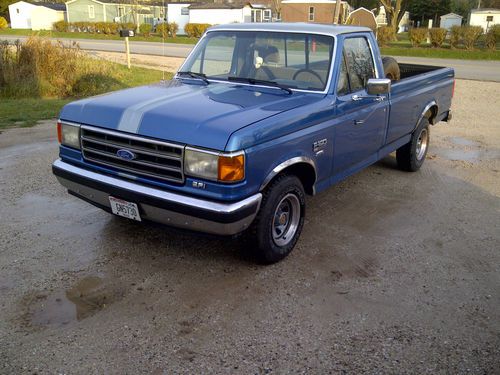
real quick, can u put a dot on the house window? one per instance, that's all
(184, 11)
(17, 10)
(91, 11)
(267, 15)
(311, 13)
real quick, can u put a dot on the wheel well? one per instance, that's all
(306, 174)
(432, 113)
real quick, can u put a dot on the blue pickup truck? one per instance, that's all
(255, 119)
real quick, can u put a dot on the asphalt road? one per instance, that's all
(464, 69)
(395, 272)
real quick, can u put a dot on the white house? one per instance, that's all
(35, 16)
(178, 13)
(219, 13)
(449, 20)
(484, 18)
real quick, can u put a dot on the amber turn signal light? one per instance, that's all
(231, 168)
(59, 132)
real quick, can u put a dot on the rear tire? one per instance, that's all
(391, 68)
(411, 156)
(280, 220)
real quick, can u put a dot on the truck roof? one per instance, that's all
(292, 27)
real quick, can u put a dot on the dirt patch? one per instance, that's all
(168, 64)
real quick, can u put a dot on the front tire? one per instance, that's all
(411, 156)
(279, 223)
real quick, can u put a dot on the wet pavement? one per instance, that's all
(394, 273)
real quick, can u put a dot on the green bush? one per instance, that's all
(172, 29)
(492, 37)
(162, 29)
(145, 29)
(61, 26)
(417, 36)
(385, 34)
(456, 36)
(437, 36)
(470, 36)
(196, 30)
(3, 23)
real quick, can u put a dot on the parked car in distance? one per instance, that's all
(253, 121)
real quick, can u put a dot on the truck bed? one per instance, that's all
(411, 70)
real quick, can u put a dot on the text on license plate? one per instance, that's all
(123, 208)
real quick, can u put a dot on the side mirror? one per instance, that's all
(378, 86)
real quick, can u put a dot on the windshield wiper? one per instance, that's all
(254, 81)
(201, 76)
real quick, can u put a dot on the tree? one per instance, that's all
(368, 4)
(4, 7)
(423, 10)
(394, 11)
(276, 8)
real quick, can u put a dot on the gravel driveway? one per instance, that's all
(394, 273)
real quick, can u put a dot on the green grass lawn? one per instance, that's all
(440, 53)
(56, 34)
(28, 111)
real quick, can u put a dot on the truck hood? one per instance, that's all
(189, 113)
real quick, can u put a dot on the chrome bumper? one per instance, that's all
(158, 205)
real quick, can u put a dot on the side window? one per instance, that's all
(359, 62)
(343, 83)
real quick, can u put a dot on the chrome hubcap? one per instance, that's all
(422, 142)
(286, 219)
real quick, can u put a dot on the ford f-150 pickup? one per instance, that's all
(255, 119)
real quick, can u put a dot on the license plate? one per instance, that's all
(123, 208)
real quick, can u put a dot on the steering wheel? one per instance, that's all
(312, 72)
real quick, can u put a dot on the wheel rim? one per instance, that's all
(422, 143)
(286, 219)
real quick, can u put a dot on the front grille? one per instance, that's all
(160, 160)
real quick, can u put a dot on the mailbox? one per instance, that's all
(126, 33)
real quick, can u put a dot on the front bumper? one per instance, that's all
(158, 205)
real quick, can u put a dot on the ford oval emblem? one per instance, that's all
(125, 154)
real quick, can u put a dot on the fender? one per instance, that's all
(426, 108)
(286, 164)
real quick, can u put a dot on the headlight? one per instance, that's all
(68, 134)
(214, 165)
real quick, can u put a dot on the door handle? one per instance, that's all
(357, 98)
(359, 122)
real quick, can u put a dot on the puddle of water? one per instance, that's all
(84, 299)
(468, 155)
(463, 142)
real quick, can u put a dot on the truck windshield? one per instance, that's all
(293, 60)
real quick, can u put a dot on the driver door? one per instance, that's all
(362, 118)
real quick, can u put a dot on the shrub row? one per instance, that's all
(196, 30)
(467, 35)
(93, 27)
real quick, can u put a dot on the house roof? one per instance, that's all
(291, 27)
(485, 10)
(451, 15)
(53, 6)
(225, 5)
